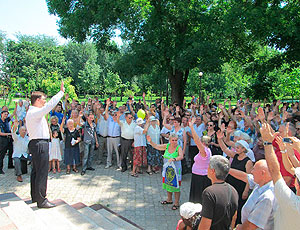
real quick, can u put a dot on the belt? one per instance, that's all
(47, 140)
(127, 139)
(113, 137)
(101, 136)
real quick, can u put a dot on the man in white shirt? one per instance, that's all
(101, 130)
(39, 136)
(127, 134)
(288, 213)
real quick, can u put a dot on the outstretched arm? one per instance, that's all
(273, 165)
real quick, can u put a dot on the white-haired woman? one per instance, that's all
(72, 138)
(199, 181)
(173, 153)
(241, 162)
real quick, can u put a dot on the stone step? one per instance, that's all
(54, 219)
(20, 214)
(117, 220)
(99, 219)
(5, 222)
(76, 218)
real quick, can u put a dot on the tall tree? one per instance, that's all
(173, 36)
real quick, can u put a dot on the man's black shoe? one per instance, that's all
(46, 204)
(123, 169)
(82, 172)
(90, 168)
(11, 167)
(1, 172)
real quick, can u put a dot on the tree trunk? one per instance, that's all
(177, 81)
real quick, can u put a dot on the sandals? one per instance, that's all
(133, 174)
(166, 202)
(175, 207)
(75, 170)
(54, 170)
(68, 171)
(150, 173)
(59, 170)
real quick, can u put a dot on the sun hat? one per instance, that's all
(152, 118)
(189, 209)
(139, 121)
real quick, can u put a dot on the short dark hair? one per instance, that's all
(36, 95)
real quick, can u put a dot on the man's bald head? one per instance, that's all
(261, 172)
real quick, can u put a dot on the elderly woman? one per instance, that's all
(139, 153)
(72, 138)
(154, 157)
(173, 153)
(241, 162)
(20, 148)
(199, 181)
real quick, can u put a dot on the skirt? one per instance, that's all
(72, 156)
(154, 156)
(198, 184)
(140, 156)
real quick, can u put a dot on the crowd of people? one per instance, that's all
(244, 159)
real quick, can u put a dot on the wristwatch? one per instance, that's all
(267, 143)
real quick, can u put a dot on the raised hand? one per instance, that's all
(270, 116)
(149, 138)
(144, 94)
(107, 101)
(192, 121)
(267, 133)
(222, 127)
(62, 88)
(220, 134)
(281, 144)
(261, 114)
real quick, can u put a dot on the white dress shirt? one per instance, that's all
(36, 123)
(127, 131)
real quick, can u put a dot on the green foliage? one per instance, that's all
(51, 85)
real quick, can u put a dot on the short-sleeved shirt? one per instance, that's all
(288, 212)
(215, 200)
(139, 137)
(89, 133)
(260, 206)
(199, 130)
(4, 125)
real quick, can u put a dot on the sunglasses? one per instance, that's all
(210, 125)
(129, 117)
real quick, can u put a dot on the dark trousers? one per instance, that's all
(193, 151)
(39, 173)
(126, 145)
(6, 144)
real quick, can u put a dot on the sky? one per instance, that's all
(29, 17)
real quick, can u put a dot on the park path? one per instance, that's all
(137, 199)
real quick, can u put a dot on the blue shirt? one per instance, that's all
(260, 206)
(4, 125)
(59, 116)
(114, 130)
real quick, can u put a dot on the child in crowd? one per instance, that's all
(54, 152)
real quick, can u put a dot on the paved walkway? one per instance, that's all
(137, 199)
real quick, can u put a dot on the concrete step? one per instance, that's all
(54, 219)
(5, 222)
(20, 214)
(112, 217)
(76, 218)
(99, 219)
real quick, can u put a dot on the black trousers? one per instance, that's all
(126, 145)
(39, 174)
(6, 144)
(193, 151)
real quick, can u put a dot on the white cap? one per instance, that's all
(152, 118)
(189, 209)
(139, 121)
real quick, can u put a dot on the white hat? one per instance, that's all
(249, 153)
(139, 121)
(189, 209)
